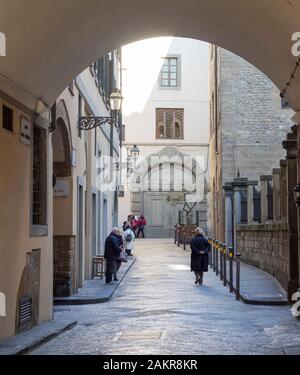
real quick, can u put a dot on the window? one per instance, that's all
(169, 123)
(169, 72)
(79, 114)
(7, 118)
(39, 176)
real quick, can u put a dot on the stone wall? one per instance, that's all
(253, 122)
(64, 265)
(266, 246)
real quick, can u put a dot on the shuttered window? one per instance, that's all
(7, 119)
(169, 123)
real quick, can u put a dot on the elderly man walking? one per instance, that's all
(112, 254)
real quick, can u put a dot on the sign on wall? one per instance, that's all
(25, 131)
(61, 188)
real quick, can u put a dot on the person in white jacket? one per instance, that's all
(129, 238)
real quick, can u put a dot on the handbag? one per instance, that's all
(123, 257)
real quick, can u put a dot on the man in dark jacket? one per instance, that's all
(112, 254)
(199, 257)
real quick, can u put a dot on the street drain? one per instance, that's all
(146, 335)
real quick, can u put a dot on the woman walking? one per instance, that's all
(199, 257)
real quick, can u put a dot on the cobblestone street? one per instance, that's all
(159, 310)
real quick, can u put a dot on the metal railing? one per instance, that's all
(222, 259)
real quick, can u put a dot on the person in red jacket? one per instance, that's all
(141, 226)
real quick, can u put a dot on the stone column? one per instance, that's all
(264, 181)
(283, 191)
(239, 185)
(276, 195)
(250, 200)
(291, 177)
(228, 213)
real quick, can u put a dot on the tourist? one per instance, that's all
(129, 238)
(141, 223)
(199, 257)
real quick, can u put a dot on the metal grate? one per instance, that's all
(146, 335)
(25, 310)
(7, 118)
(39, 177)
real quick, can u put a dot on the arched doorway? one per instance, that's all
(64, 244)
(171, 187)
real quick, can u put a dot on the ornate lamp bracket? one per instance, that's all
(89, 123)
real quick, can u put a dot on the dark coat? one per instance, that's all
(112, 247)
(199, 262)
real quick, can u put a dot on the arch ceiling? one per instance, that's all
(48, 45)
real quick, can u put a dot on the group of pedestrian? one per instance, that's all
(119, 245)
(137, 224)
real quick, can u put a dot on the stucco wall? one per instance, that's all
(16, 240)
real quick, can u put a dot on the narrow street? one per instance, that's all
(158, 310)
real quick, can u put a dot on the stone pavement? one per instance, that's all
(258, 287)
(96, 291)
(159, 310)
(26, 341)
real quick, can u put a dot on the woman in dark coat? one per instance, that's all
(199, 257)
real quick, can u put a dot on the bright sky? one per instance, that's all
(142, 62)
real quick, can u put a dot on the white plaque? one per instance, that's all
(61, 188)
(25, 131)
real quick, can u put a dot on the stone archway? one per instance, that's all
(259, 31)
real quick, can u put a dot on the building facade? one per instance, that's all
(55, 209)
(248, 122)
(166, 115)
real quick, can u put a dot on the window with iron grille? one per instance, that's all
(39, 176)
(169, 123)
(169, 72)
(7, 118)
(79, 114)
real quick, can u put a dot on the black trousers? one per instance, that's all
(140, 230)
(111, 268)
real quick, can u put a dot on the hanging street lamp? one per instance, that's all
(91, 122)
